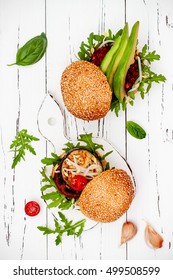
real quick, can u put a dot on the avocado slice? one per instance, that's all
(125, 62)
(117, 56)
(107, 59)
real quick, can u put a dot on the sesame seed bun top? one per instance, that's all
(85, 91)
(108, 196)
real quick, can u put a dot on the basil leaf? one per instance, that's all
(135, 130)
(32, 51)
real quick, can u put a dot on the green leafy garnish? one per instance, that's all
(32, 51)
(57, 198)
(55, 159)
(20, 144)
(105, 155)
(148, 76)
(64, 226)
(69, 146)
(148, 56)
(93, 42)
(135, 130)
(115, 106)
(90, 145)
(107, 167)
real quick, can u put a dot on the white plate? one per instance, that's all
(50, 123)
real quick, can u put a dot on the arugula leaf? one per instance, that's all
(47, 179)
(20, 144)
(57, 198)
(45, 230)
(93, 42)
(70, 146)
(58, 239)
(86, 138)
(115, 106)
(55, 159)
(53, 196)
(148, 56)
(107, 167)
(105, 155)
(56, 203)
(66, 204)
(64, 226)
(149, 77)
(135, 130)
(90, 145)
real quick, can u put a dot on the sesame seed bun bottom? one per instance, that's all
(85, 91)
(108, 196)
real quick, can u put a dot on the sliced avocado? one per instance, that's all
(107, 59)
(126, 61)
(117, 56)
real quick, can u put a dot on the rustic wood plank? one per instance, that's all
(21, 93)
(152, 177)
(23, 89)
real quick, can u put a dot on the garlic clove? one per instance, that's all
(129, 230)
(153, 238)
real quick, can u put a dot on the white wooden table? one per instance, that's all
(22, 90)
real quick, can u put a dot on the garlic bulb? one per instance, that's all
(129, 230)
(153, 238)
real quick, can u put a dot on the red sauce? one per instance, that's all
(99, 54)
(132, 75)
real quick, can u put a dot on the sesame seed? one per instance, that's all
(85, 91)
(108, 196)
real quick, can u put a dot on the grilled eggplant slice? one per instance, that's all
(75, 162)
(80, 161)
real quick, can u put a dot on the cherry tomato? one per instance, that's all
(32, 208)
(78, 182)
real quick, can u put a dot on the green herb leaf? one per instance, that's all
(135, 130)
(55, 203)
(57, 198)
(47, 179)
(90, 145)
(105, 155)
(69, 146)
(93, 42)
(46, 230)
(107, 167)
(64, 226)
(32, 51)
(58, 239)
(20, 144)
(66, 204)
(149, 77)
(55, 159)
(45, 187)
(53, 196)
(148, 56)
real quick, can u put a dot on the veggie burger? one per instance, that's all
(108, 74)
(83, 175)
